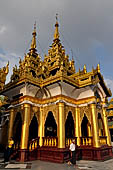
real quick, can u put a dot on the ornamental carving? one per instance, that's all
(110, 113)
(69, 109)
(3, 73)
(53, 109)
(87, 111)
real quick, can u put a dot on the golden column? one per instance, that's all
(11, 123)
(89, 130)
(77, 125)
(107, 133)
(25, 127)
(61, 126)
(96, 142)
(41, 126)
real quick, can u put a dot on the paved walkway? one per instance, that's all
(41, 165)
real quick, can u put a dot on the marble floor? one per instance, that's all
(41, 165)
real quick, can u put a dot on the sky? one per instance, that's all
(85, 26)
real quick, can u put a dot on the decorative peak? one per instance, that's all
(56, 33)
(85, 70)
(33, 43)
(98, 68)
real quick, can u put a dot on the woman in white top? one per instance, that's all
(72, 148)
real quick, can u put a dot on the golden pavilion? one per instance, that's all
(51, 104)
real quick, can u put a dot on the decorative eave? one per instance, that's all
(102, 83)
(55, 99)
(77, 81)
(23, 80)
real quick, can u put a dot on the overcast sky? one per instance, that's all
(86, 28)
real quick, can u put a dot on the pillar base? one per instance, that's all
(23, 155)
(96, 154)
(50, 154)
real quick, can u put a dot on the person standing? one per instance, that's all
(9, 150)
(72, 148)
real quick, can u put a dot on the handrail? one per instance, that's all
(103, 140)
(16, 146)
(69, 141)
(86, 141)
(50, 141)
(33, 144)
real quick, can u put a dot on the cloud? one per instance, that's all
(2, 29)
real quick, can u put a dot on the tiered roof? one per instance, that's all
(55, 67)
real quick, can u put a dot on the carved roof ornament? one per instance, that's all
(31, 66)
(3, 73)
(57, 61)
(98, 68)
(56, 33)
(33, 43)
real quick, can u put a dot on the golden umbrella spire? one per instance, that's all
(56, 33)
(33, 43)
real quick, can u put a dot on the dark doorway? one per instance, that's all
(17, 127)
(33, 129)
(50, 126)
(69, 126)
(84, 128)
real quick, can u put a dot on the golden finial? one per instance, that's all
(98, 68)
(56, 33)
(33, 43)
(85, 70)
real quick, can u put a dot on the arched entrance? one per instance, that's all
(50, 126)
(17, 127)
(33, 129)
(69, 126)
(84, 126)
(100, 125)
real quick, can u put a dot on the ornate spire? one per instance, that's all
(56, 33)
(98, 68)
(33, 43)
(85, 70)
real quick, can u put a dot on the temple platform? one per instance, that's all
(63, 155)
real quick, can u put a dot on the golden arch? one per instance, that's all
(102, 121)
(87, 111)
(54, 110)
(89, 127)
(70, 109)
(35, 114)
(16, 111)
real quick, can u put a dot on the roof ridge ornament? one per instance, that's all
(98, 67)
(33, 43)
(56, 33)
